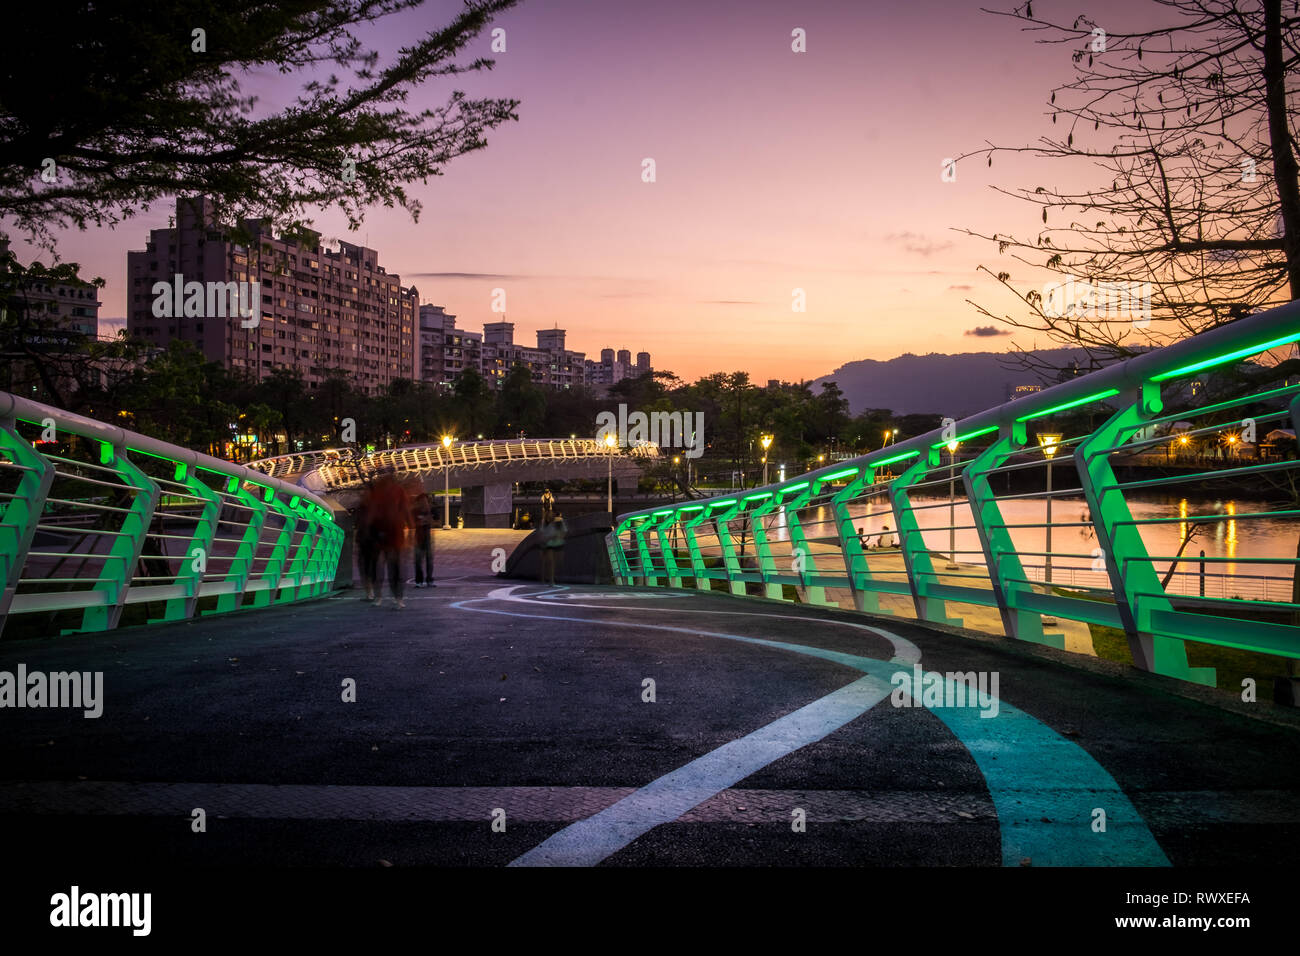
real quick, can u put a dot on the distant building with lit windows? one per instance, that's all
(323, 311)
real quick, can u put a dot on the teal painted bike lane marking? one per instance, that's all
(1044, 788)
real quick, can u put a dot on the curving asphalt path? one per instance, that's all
(500, 724)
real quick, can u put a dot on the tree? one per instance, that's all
(1193, 127)
(147, 102)
(174, 397)
(283, 390)
(521, 402)
(833, 411)
(474, 399)
(41, 357)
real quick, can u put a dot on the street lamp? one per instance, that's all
(1050, 444)
(611, 442)
(446, 484)
(952, 505)
(766, 442)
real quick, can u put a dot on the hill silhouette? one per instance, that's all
(952, 385)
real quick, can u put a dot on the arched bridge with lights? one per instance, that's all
(485, 470)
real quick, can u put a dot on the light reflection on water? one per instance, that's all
(1217, 533)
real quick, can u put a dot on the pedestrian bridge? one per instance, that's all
(485, 470)
(961, 547)
(101, 525)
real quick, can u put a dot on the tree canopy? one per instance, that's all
(107, 106)
(1190, 126)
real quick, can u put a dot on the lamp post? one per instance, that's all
(952, 505)
(446, 484)
(1050, 444)
(766, 442)
(611, 442)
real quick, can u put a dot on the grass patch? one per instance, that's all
(1231, 666)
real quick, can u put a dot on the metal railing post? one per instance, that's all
(920, 568)
(124, 553)
(1133, 579)
(22, 513)
(192, 568)
(1006, 573)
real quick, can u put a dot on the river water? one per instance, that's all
(1240, 541)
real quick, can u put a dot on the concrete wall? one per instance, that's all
(585, 559)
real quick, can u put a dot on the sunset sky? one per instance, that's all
(775, 170)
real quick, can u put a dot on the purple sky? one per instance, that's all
(775, 171)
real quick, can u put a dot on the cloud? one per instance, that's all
(915, 242)
(984, 331)
(463, 275)
(960, 288)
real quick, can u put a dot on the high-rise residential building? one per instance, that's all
(445, 351)
(321, 311)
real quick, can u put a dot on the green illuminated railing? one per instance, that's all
(956, 526)
(96, 521)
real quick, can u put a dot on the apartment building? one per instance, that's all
(446, 351)
(320, 310)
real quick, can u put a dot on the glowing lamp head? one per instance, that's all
(1050, 443)
(610, 440)
(766, 442)
(446, 441)
(952, 447)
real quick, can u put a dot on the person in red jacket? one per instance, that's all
(389, 512)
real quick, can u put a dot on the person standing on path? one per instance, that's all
(423, 521)
(367, 542)
(552, 548)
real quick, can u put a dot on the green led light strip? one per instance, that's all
(897, 458)
(758, 497)
(782, 491)
(967, 437)
(141, 451)
(838, 475)
(719, 504)
(686, 508)
(1228, 357)
(1086, 400)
